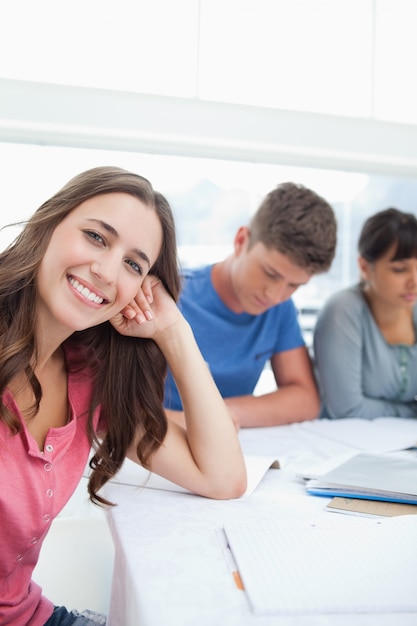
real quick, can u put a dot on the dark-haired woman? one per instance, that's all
(365, 338)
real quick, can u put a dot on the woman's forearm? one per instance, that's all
(210, 431)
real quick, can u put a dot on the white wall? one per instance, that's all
(322, 83)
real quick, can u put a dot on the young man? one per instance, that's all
(242, 315)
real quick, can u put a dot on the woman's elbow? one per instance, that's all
(231, 487)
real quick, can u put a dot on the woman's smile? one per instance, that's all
(86, 293)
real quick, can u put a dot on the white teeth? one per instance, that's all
(90, 295)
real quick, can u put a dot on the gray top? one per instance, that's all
(360, 374)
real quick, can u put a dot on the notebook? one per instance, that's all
(297, 567)
(388, 477)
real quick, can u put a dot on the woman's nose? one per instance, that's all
(412, 278)
(105, 270)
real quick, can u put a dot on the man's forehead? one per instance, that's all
(282, 264)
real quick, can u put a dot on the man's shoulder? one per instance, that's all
(196, 273)
(195, 282)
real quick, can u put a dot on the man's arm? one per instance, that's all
(296, 399)
(179, 417)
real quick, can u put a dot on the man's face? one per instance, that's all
(262, 277)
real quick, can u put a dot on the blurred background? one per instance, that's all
(216, 102)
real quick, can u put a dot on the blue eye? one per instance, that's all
(135, 266)
(92, 234)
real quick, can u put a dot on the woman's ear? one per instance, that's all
(364, 268)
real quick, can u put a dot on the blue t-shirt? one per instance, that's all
(235, 346)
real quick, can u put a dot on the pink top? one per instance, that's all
(34, 487)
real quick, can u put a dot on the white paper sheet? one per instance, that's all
(133, 474)
(382, 434)
(296, 567)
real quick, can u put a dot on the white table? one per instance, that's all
(170, 567)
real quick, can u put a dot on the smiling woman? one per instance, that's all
(88, 325)
(100, 252)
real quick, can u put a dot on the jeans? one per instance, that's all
(62, 617)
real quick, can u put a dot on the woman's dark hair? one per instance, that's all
(384, 229)
(128, 374)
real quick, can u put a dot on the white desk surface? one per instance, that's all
(170, 567)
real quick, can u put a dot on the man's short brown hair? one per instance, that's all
(299, 223)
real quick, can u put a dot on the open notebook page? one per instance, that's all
(295, 567)
(133, 474)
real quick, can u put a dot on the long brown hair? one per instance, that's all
(128, 374)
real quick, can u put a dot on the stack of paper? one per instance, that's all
(385, 477)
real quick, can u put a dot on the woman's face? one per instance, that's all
(393, 283)
(97, 259)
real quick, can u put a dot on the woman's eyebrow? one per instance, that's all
(112, 231)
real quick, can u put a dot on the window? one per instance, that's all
(210, 198)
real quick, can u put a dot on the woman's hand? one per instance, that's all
(151, 312)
